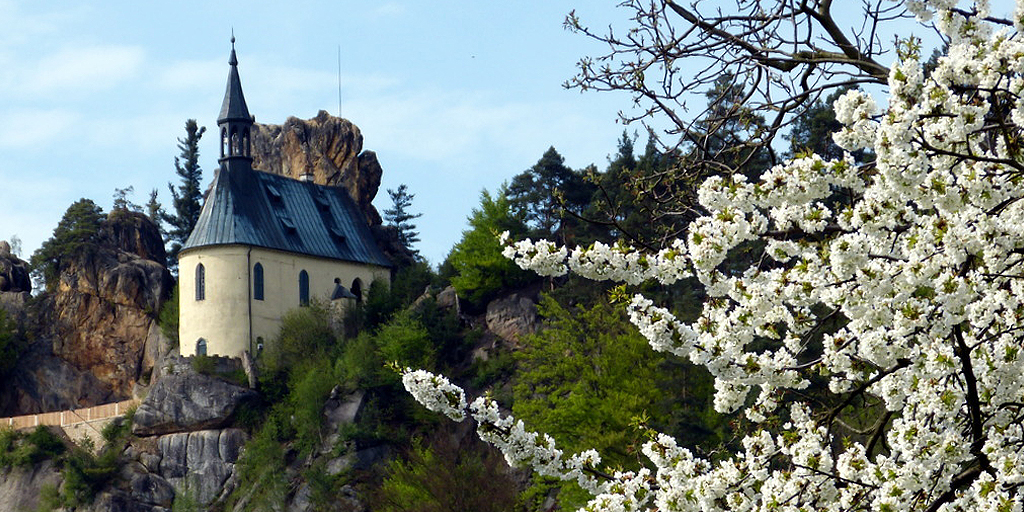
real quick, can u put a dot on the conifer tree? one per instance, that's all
(155, 210)
(398, 216)
(188, 197)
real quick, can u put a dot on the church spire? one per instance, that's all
(234, 121)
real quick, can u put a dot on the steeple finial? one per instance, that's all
(233, 60)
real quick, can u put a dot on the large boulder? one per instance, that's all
(330, 148)
(513, 316)
(188, 402)
(201, 463)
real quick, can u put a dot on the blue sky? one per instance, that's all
(454, 97)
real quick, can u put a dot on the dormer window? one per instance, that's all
(275, 194)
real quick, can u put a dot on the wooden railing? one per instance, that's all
(70, 416)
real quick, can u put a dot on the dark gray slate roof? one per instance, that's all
(234, 108)
(267, 210)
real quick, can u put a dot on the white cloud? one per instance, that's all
(33, 128)
(88, 68)
(191, 75)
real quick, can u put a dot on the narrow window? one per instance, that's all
(200, 282)
(257, 281)
(357, 290)
(303, 288)
(201, 347)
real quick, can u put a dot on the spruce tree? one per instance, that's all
(187, 199)
(398, 216)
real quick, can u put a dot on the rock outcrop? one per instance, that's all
(106, 302)
(20, 487)
(187, 402)
(327, 147)
(14, 276)
(513, 316)
(93, 335)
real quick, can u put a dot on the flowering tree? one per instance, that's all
(897, 286)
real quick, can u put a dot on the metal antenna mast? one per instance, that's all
(339, 80)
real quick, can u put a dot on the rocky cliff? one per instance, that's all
(330, 148)
(93, 336)
(106, 302)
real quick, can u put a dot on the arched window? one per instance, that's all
(303, 288)
(200, 282)
(357, 290)
(201, 347)
(257, 281)
(223, 141)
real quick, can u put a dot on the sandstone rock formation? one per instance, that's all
(201, 462)
(14, 275)
(88, 337)
(330, 148)
(19, 487)
(107, 300)
(513, 316)
(186, 402)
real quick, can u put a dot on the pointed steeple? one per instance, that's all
(234, 121)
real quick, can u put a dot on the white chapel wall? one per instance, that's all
(222, 319)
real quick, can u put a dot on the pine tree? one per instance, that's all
(188, 197)
(398, 216)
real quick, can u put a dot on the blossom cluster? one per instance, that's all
(898, 283)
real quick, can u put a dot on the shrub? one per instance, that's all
(441, 475)
(168, 320)
(405, 341)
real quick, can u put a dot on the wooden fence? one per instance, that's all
(70, 416)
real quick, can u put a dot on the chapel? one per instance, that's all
(265, 244)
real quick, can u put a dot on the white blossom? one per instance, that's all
(921, 272)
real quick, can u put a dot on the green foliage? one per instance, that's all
(185, 500)
(405, 341)
(262, 464)
(204, 364)
(486, 372)
(168, 319)
(49, 498)
(118, 430)
(86, 474)
(398, 216)
(543, 193)
(412, 281)
(360, 364)
(481, 272)
(443, 476)
(812, 131)
(188, 198)
(630, 193)
(585, 378)
(77, 234)
(308, 395)
(379, 306)
(305, 335)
